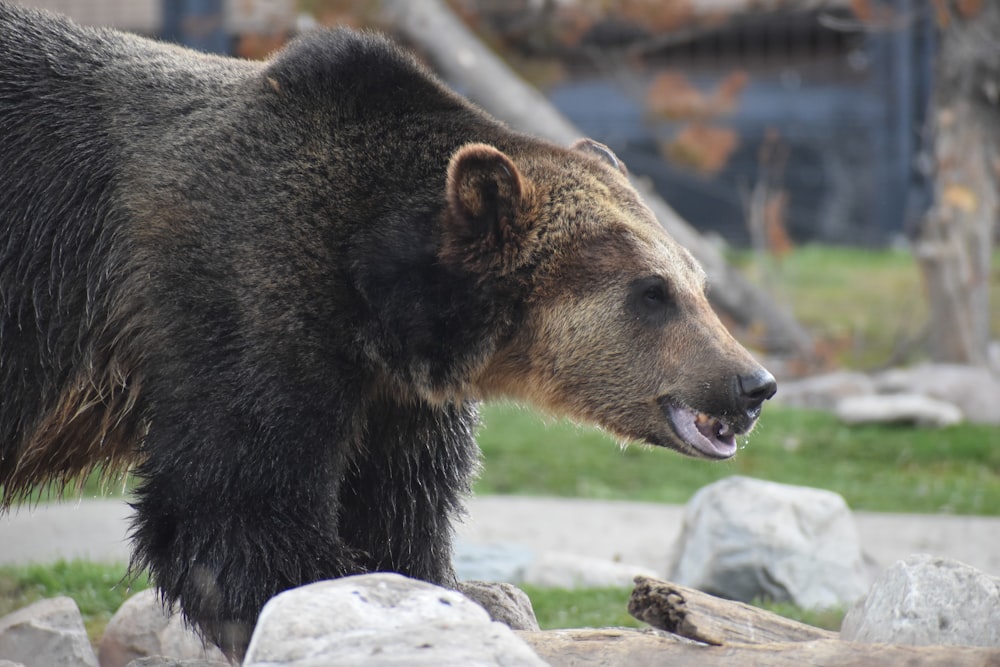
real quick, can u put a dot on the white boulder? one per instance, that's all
(746, 538)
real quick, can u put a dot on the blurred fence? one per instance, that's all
(807, 118)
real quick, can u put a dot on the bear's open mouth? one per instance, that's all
(704, 433)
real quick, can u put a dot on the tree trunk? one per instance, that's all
(955, 245)
(462, 59)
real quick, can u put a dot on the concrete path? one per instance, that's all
(636, 533)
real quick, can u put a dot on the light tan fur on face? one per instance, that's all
(579, 351)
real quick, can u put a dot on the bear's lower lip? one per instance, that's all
(707, 435)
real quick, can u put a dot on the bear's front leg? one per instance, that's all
(403, 491)
(406, 482)
(234, 508)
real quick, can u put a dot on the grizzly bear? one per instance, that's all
(277, 291)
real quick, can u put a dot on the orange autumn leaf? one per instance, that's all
(961, 197)
(672, 95)
(727, 93)
(702, 147)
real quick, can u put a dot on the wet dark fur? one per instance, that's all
(225, 273)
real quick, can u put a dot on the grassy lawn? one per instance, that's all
(877, 468)
(557, 608)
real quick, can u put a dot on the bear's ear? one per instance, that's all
(600, 150)
(485, 196)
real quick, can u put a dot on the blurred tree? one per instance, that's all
(955, 243)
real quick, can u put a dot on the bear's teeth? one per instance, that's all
(707, 426)
(711, 427)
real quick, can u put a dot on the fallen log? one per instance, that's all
(712, 620)
(612, 647)
(462, 59)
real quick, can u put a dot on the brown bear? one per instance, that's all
(278, 291)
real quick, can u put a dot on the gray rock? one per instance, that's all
(48, 633)
(504, 602)
(898, 409)
(8, 663)
(927, 600)
(553, 569)
(497, 561)
(823, 392)
(975, 390)
(745, 538)
(381, 619)
(142, 627)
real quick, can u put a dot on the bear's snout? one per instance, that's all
(752, 389)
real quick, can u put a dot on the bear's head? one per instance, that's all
(614, 327)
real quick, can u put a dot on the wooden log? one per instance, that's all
(705, 618)
(462, 59)
(613, 647)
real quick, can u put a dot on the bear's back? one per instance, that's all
(66, 93)
(128, 169)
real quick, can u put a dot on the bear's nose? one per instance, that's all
(755, 388)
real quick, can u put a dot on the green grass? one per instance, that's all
(557, 608)
(877, 468)
(98, 589)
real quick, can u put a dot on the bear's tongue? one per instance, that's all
(708, 435)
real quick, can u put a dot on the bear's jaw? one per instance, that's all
(704, 435)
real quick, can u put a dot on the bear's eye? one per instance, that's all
(649, 300)
(654, 295)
